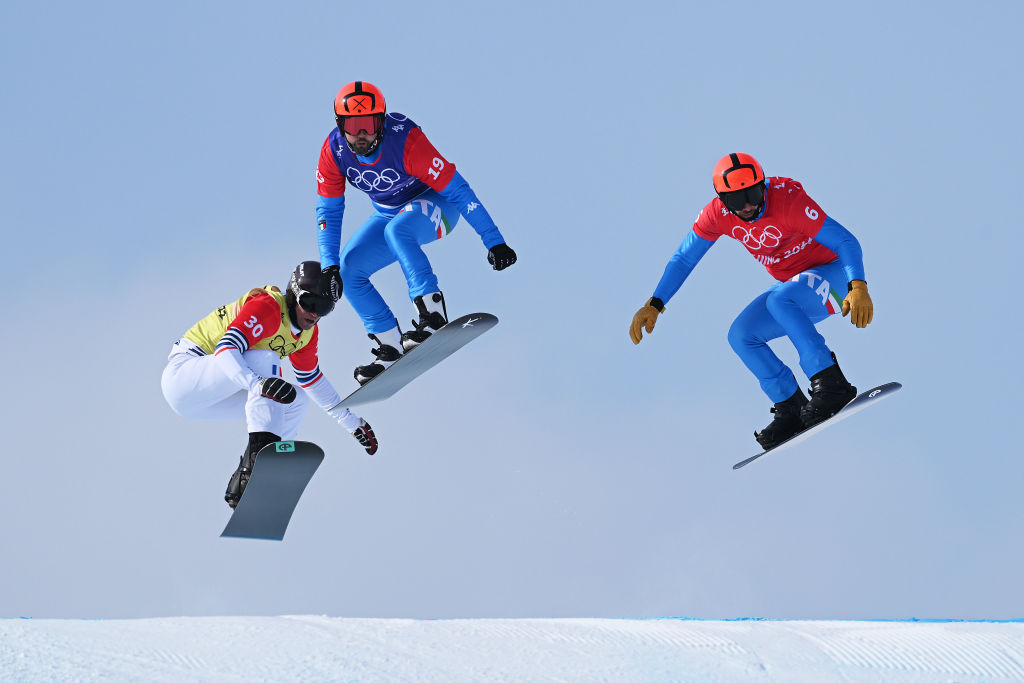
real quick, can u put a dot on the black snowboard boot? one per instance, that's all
(787, 422)
(433, 316)
(238, 481)
(389, 349)
(829, 393)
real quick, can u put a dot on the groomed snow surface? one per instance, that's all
(316, 648)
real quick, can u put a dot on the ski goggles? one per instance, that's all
(735, 201)
(315, 303)
(354, 125)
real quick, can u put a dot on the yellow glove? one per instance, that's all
(645, 318)
(859, 301)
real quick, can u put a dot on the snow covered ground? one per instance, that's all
(317, 648)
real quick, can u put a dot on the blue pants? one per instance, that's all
(789, 309)
(387, 237)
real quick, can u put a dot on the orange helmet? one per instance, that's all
(359, 98)
(739, 182)
(359, 108)
(735, 172)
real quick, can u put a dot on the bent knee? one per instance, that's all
(354, 269)
(740, 335)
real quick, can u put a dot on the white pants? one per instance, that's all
(196, 388)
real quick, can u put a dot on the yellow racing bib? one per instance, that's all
(207, 333)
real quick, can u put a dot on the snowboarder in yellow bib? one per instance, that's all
(229, 364)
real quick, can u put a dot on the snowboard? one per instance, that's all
(438, 346)
(279, 476)
(861, 402)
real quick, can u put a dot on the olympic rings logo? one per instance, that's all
(769, 237)
(370, 180)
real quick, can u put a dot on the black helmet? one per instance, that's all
(304, 289)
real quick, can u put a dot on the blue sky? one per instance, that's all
(159, 161)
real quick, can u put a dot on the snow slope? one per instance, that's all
(317, 648)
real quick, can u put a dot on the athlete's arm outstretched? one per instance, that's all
(330, 206)
(306, 364)
(679, 267)
(845, 245)
(682, 263)
(424, 161)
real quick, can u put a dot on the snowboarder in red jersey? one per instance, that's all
(820, 269)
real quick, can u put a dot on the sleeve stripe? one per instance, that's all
(233, 338)
(308, 378)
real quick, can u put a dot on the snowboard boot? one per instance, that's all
(389, 349)
(433, 316)
(787, 422)
(239, 480)
(829, 393)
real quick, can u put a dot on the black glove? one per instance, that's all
(277, 389)
(330, 282)
(365, 436)
(501, 256)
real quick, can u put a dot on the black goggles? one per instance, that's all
(315, 303)
(735, 201)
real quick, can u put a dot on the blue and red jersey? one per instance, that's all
(793, 234)
(404, 166)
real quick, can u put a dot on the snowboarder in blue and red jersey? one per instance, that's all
(813, 257)
(418, 196)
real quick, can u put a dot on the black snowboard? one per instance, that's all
(279, 476)
(411, 365)
(862, 401)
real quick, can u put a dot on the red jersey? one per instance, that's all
(259, 320)
(782, 238)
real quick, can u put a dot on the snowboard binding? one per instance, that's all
(786, 424)
(433, 316)
(386, 353)
(240, 478)
(829, 391)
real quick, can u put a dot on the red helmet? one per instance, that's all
(739, 182)
(735, 172)
(359, 108)
(359, 98)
